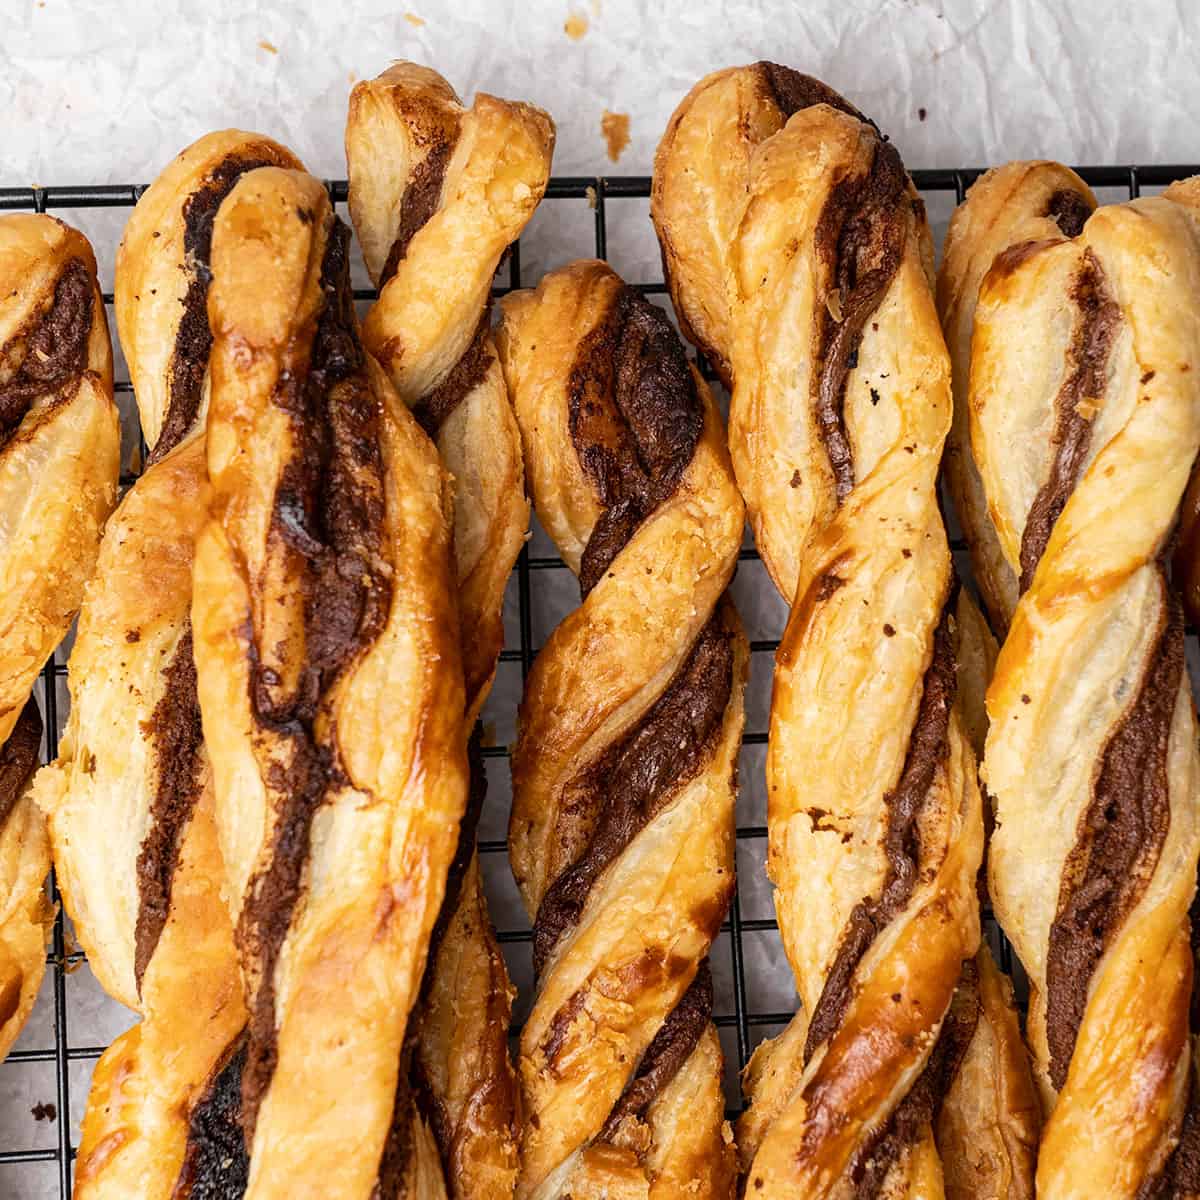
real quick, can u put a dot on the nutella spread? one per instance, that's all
(216, 1165)
(55, 346)
(927, 750)
(329, 510)
(1095, 331)
(420, 201)
(178, 742)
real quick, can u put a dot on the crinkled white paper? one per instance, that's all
(95, 91)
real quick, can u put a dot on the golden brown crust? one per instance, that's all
(59, 460)
(840, 406)
(1091, 754)
(625, 964)
(1017, 203)
(405, 166)
(326, 631)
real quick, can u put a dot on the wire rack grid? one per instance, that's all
(741, 1023)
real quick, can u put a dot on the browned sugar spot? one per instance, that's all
(215, 1164)
(927, 750)
(1118, 842)
(614, 127)
(1087, 359)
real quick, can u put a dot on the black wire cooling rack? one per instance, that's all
(740, 1023)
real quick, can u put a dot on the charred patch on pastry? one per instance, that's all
(859, 241)
(49, 356)
(635, 419)
(216, 1165)
(793, 91)
(193, 338)
(19, 758)
(927, 749)
(178, 741)
(1118, 841)
(1069, 210)
(434, 408)
(1099, 318)
(421, 196)
(327, 526)
(671, 1047)
(920, 1106)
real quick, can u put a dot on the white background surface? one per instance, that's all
(103, 92)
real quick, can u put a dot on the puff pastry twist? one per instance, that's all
(326, 633)
(798, 256)
(431, 180)
(130, 796)
(622, 825)
(59, 460)
(1091, 754)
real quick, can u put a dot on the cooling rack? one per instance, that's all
(741, 1022)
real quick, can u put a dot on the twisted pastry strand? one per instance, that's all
(130, 796)
(59, 460)
(1091, 753)
(326, 635)
(430, 179)
(796, 246)
(622, 825)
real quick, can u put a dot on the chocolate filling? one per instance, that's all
(927, 750)
(635, 779)
(433, 409)
(793, 91)
(920, 1107)
(55, 349)
(420, 200)
(860, 241)
(175, 733)
(1119, 839)
(193, 338)
(329, 513)
(1069, 210)
(216, 1165)
(675, 1040)
(19, 758)
(635, 419)
(1180, 1177)
(1091, 343)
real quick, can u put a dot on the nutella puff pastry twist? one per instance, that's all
(1020, 202)
(130, 797)
(326, 640)
(59, 460)
(623, 775)
(798, 256)
(431, 179)
(1085, 422)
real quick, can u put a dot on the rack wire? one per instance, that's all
(740, 1019)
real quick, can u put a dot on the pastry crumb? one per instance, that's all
(44, 1112)
(268, 47)
(591, 198)
(615, 128)
(415, 21)
(576, 26)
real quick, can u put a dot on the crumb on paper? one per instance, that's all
(591, 198)
(921, 114)
(615, 128)
(576, 26)
(44, 1112)
(352, 77)
(415, 21)
(595, 8)
(268, 47)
